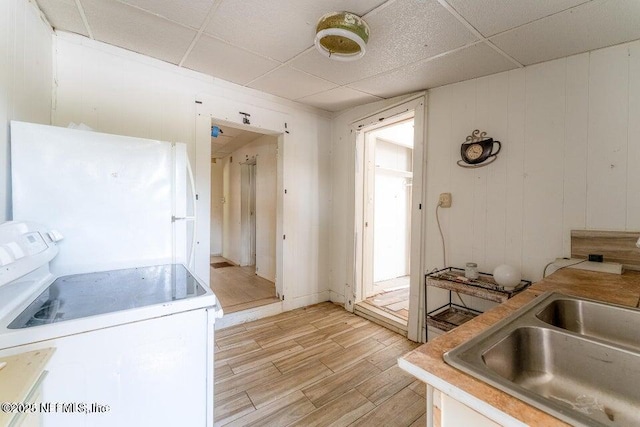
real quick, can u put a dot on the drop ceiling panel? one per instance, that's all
(491, 17)
(63, 15)
(338, 99)
(590, 26)
(278, 29)
(471, 62)
(403, 32)
(219, 59)
(290, 83)
(125, 26)
(191, 13)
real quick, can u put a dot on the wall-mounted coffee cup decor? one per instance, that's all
(477, 150)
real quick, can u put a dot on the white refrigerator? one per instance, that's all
(118, 201)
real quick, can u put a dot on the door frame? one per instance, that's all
(267, 122)
(415, 106)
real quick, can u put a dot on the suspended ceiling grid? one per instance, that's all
(414, 44)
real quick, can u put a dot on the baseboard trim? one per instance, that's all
(249, 315)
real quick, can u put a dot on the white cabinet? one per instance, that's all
(455, 414)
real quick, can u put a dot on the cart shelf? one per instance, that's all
(452, 279)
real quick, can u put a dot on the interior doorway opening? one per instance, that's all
(248, 176)
(243, 217)
(386, 190)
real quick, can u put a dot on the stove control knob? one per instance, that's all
(55, 235)
(5, 257)
(15, 250)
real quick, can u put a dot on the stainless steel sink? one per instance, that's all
(576, 359)
(620, 325)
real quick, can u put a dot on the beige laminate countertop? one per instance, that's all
(18, 377)
(618, 289)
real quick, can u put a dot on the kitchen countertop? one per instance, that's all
(18, 377)
(426, 362)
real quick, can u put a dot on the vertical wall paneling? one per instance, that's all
(438, 170)
(608, 131)
(569, 158)
(25, 79)
(513, 155)
(461, 232)
(492, 118)
(575, 147)
(479, 185)
(633, 140)
(543, 165)
(6, 28)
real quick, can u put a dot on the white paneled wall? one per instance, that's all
(25, 79)
(570, 159)
(117, 91)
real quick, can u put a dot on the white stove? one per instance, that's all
(138, 340)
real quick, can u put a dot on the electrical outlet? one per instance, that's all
(445, 200)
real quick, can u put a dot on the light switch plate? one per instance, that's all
(445, 200)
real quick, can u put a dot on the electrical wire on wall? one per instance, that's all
(444, 249)
(544, 273)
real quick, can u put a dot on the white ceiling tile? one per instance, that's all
(63, 15)
(121, 25)
(403, 32)
(591, 26)
(278, 29)
(471, 62)
(338, 99)
(191, 13)
(494, 16)
(290, 83)
(227, 62)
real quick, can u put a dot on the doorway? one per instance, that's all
(243, 217)
(387, 199)
(248, 211)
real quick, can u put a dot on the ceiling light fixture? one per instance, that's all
(342, 36)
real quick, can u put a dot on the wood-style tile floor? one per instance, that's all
(239, 288)
(314, 366)
(393, 302)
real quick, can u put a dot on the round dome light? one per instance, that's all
(342, 36)
(507, 276)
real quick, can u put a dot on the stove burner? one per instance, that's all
(46, 314)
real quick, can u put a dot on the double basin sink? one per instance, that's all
(575, 358)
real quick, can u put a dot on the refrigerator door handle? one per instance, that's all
(182, 218)
(192, 218)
